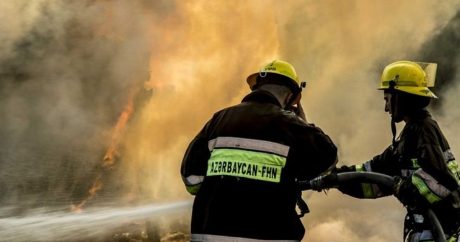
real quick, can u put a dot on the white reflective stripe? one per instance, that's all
(434, 186)
(250, 144)
(376, 190)
(406, 172)
(222, 238)
(426, 235)
(193, 180)
(212, 144)
(367, 166)
(418, 218)
(448, 156)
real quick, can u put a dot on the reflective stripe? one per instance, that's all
(418, 218)
(453, 167)
(424, 190)
(406, 172)
(453, 238)
(367, 166)
(246, 163)
(249, 144)
(222, 238)
(427, 236)
(432, 184)
(193, 189)
(369, 190)
(193, 183)
(359, 167)
(448, 156)
(193, 180)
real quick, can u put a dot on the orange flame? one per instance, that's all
(112, 151)
(118, 131)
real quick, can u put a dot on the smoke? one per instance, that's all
(61, 89)
(67, 70)
(442, 49)
(209, 52)
(341, 49)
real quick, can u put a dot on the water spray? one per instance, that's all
(91, 224)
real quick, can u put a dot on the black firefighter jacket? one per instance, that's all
(422, 157)
(243, 167)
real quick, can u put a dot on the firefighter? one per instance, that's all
(426, 173)
(243, 165)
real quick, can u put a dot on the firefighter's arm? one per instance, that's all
(315, 152)
(435, 177)
(194, 163)
(381, 164)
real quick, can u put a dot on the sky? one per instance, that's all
(69, 69)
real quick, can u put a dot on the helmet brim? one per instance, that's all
(252, 80)
(419, 91)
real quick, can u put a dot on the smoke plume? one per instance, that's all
(69, 68)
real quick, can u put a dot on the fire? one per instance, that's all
(117, 134)
(112, 152)
(196, 67)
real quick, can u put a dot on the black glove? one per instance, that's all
(344, 169)
(407, 193)
(324, 182)
(397, 184)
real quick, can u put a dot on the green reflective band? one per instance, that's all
(245, 163)
(415, 163)
(193, 189)
(359, 168)
(425, 190)
(453, 167)
(368, 192)
(453, 238)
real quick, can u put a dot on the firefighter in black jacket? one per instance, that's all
(427, 175)
(244, 164)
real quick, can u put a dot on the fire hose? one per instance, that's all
(369, 177)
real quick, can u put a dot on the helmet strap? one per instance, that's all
(295, 94)
(291, 100)
(393, 130)
(393, 101)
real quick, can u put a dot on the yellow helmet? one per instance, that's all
(276, 67)
(409, 77)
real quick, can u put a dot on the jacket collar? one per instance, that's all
(261, 96)
(418, 115)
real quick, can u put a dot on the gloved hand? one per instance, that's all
(406, 192)
(300, 112)
(324, 182)
(344, 169)
(397, 184)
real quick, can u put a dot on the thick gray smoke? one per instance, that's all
(69, 68)
(66, 69)
(443, 49)
(342, 51)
